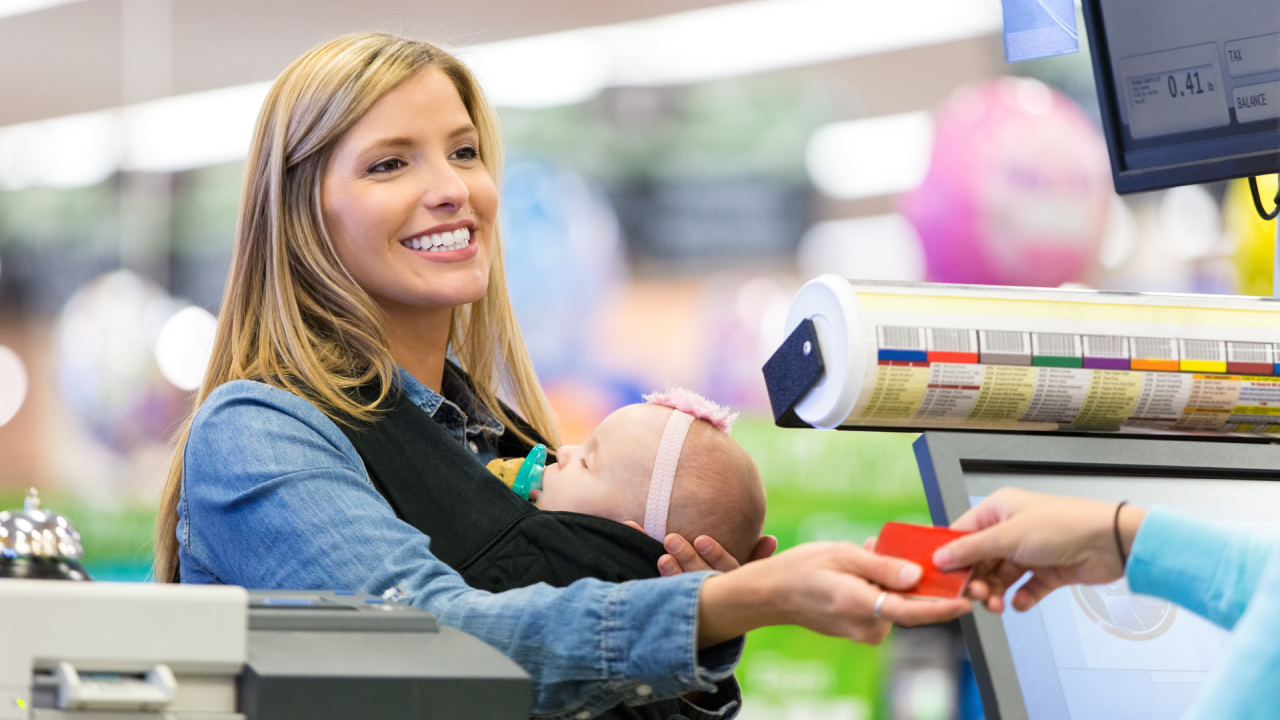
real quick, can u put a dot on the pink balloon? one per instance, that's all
(1017, 190)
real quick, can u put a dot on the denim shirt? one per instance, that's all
(275, 496)
(457, 410)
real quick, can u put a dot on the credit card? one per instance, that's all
(917, 543)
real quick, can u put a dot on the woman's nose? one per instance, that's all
(445, 190)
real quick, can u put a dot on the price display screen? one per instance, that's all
(1193, 81)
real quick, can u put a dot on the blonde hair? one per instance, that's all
(292, 316)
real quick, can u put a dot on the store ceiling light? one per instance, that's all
(13, 384)
(869, 157)
(190, 131)
(167, 135)
(878, 247)
(762, 35)
(200, 129)
(69, 151)
(184, 345)
(542, 70)
(715, 43)
(9, 8)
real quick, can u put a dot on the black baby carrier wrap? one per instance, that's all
(496, 540)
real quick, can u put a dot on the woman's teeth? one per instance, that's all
(440, 242)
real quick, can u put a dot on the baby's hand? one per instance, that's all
(633, 524)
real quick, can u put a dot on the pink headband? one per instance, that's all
(686, 407)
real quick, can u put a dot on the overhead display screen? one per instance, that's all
(1192, 81)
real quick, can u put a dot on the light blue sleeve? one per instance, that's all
(1231, 578)
(1246, 686)
(275, 496)
(1204, 567)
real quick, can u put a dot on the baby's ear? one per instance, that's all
(633, 524)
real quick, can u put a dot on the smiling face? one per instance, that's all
(608, 475)
(409, 206)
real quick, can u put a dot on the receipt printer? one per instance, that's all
(119, 651)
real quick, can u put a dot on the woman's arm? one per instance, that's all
(276, 497)
(828, 587)
(803, 586)
(831, 588)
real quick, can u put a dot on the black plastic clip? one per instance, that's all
(792, 372)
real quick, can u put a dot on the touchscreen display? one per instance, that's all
(1194, 80)
(1093, 652)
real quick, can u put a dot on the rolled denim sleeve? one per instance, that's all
(1206, 568)
(275, 496)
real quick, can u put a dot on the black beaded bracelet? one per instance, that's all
(1115, 527)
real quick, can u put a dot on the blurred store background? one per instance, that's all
(677, 168)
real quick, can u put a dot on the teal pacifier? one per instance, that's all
(530, 476)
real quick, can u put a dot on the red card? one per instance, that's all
(917, 543)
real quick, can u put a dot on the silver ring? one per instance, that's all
(875, 610)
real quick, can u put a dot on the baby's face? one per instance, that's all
(608, 475)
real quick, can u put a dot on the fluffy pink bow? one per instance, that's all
(691, 403)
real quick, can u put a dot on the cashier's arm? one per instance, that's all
(1064, 540)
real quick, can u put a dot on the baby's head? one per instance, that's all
(717, 489)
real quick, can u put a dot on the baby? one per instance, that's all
(665, 466)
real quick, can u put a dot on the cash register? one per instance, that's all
(74, 650)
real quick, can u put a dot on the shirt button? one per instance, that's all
(474, 448)
(644, 690)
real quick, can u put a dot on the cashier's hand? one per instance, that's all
(1061, 540)
(704, 553)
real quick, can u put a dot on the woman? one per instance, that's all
(368, 274)
(1229, 577)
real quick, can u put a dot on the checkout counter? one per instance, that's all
(134, 651)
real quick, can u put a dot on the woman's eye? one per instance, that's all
(466, 153)
(388, 165)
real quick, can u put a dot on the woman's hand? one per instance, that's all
(827, 587)
(704, 553)
(1062, 540)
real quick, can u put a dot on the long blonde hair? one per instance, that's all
(292, 316)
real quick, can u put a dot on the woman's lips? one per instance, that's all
(444, 246)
